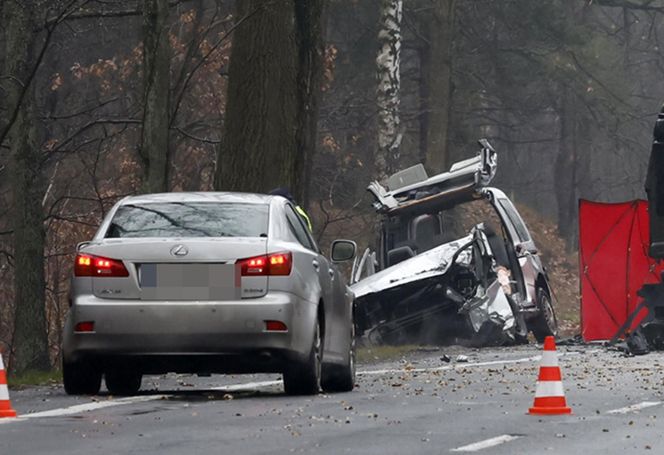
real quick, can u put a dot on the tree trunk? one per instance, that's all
(565, 169)
(260, 149)
(309, 38)
(156, 90)
(438, 79)
(571, 169)
(388, 64)
(29, 344)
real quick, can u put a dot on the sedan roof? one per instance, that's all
(200, 196)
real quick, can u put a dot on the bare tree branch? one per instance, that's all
(223, 38)
(196, 138)
(50, 29)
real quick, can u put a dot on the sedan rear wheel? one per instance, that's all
(123, 382)
(81, 378)
(341, 378)
(303, 378)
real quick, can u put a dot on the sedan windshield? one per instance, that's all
(189, 219)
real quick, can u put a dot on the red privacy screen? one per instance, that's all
(614, 264)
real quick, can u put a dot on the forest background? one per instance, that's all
(100, 99)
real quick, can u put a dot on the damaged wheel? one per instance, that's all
(545, 323)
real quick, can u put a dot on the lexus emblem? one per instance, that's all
(179, 250)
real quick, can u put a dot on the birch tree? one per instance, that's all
(388, 64)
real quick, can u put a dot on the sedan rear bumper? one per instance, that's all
(210, 336)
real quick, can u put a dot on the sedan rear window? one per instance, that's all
(189, 219)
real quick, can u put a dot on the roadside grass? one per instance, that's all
(383, 353)
(33, 377)
(569, 320)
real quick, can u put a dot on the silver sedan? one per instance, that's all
(208, 283)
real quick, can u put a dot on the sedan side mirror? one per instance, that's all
(343, 250)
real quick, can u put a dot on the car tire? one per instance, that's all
(304, 378)
(123, 382)
(341, 378)
(81, 378)
(545, 323)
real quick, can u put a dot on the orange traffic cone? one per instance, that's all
(549, 396)
(5, 406)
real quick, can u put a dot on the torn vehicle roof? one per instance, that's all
(431, 263)
(413, 189)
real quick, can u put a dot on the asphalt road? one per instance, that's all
(419, 404)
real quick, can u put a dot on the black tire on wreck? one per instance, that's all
(545, 323)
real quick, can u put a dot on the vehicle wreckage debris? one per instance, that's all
(486, 287)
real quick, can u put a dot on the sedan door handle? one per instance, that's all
(331, 272)
(315, 264)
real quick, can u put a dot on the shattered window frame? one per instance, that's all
(515, 220)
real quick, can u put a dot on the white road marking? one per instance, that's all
(481, 445)
(10, 420)
(447, 367)
(79, 408)
(634, 407)
(87, 407)
(250, 386)
(534, 358)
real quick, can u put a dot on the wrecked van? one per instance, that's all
(454, 262)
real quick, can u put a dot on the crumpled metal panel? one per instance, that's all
(429, 264)
(491, 306)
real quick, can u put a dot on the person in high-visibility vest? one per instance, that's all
(284, 192)
(300, 211)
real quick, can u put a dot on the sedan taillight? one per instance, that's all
(275, 264)
(89, 265)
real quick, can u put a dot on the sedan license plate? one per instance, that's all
(190, 282)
